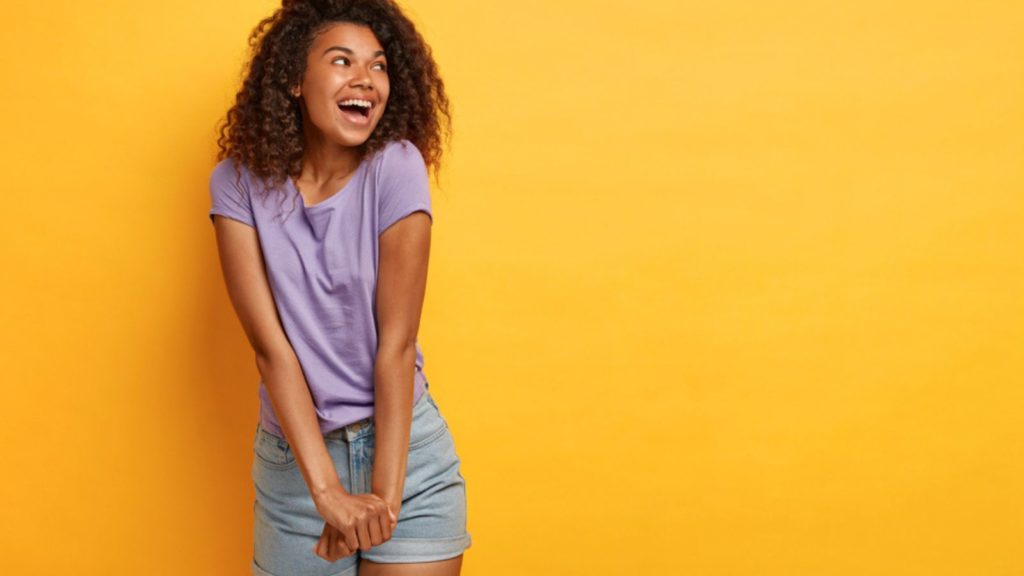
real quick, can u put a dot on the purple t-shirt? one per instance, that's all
(321, 261)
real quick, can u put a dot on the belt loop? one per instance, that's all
(352, 430)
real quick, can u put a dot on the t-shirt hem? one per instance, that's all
(409, 211)
(235, 217)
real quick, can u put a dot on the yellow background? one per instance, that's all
(717, 288)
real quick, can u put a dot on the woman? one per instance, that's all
(338, 119)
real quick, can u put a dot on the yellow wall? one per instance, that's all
(717, 288)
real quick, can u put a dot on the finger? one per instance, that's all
(389, 523)
(376, 529)
(343, 549)
(384, 524)
(329, 544)
(363, 531)
(350, 539)
(321, 544)
(336, 546)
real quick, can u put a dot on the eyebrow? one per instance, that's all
(350, 52)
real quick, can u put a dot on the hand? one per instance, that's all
(332, 537)
(395, 505)
(352, 522)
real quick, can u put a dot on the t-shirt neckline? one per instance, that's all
(333, 197)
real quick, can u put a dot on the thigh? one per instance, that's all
(286, 523)
(432, 520)
(449, 567)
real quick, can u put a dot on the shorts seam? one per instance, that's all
(420, 550)
(258, 571)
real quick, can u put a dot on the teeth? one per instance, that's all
(355, 102)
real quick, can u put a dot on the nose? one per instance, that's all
(362, 80)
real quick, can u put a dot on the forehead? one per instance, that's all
(356, 37)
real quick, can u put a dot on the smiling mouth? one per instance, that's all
(355, 110)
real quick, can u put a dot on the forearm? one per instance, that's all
(393, 388)
(296, 414)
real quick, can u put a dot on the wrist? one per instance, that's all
(391, 496)
(326, 489)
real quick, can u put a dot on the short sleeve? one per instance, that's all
(404, 185)
(228, 197)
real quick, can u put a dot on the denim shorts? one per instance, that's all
(431, 523)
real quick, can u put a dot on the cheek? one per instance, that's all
(320, 107)
(323, 114)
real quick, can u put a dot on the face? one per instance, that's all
(345, 70)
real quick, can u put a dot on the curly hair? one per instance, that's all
(263, 129)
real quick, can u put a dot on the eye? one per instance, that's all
(382, 65)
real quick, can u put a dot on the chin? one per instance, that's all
(353, 141)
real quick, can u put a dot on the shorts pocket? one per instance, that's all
(273, 452)
(427, 424)
(430, 438)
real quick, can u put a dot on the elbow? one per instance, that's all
(401, 351)
(264, 364)
(269, 358)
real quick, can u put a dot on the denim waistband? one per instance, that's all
(362, 428)
(353, 431)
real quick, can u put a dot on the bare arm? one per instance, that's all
(242, 265)
(401, 286)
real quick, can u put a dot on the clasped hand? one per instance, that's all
(352, 522)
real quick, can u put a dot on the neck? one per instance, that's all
(324, 161)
